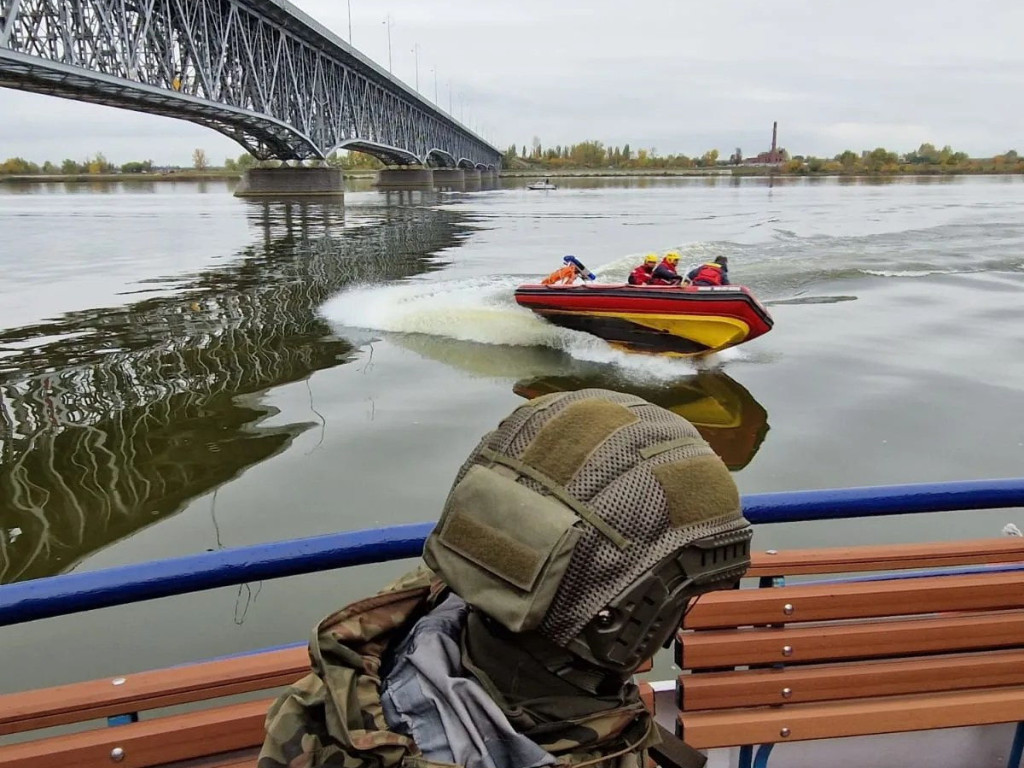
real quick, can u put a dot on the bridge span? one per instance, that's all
(261, 72)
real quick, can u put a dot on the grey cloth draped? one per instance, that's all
(429, 696)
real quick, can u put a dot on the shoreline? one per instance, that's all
(745, 172)
(86, 178)
(192, 176)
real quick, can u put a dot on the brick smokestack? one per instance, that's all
(775, 133)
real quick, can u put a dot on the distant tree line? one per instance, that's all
(595, 155)
(96, 164)
(349, 161)
(925, 159)
(354, 161)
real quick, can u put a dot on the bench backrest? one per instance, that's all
(227, 736)
(235, 730)
(850, 657)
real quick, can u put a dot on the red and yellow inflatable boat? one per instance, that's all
(663, 319)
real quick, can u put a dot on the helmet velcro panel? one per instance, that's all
(697, 489)
(538, 482)
(563, 444)
(514, 561)
(502, 547)
(516, 433)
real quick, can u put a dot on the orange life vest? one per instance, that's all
(564, 276)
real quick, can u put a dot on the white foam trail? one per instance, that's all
(482, 311)
(478, 310)
(909, 272)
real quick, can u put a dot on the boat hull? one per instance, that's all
(666, 320)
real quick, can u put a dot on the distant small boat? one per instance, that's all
(541, 185)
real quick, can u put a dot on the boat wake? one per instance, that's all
(483, 311)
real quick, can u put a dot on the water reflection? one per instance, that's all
(722, 410)
(800, 300)
(489, 360)
(113, 418)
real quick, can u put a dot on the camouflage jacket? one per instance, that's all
(333, 717)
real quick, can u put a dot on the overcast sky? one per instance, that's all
(673, 75)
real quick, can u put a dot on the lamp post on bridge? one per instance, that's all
(387, 21)
(416, 55)
(350, 22)
(434, 70)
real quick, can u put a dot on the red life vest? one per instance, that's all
(641, 275)
(664, 268)
(708, 274)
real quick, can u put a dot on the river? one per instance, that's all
(183, 371)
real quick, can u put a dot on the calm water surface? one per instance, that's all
(182, 371)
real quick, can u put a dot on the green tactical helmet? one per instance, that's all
(592, 518)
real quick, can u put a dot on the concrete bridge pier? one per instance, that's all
(288, 181)
(450, 178)
(488, 179)
(406, 177)
(472, 179)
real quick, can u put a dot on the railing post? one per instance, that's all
(1018, 747)
(130, 717)
(763, 753)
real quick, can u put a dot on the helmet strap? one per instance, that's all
(494, 642)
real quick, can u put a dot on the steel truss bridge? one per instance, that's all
(259, 71)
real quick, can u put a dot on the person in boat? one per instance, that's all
(642, 274)
(567, 274)
(564, 276)
(665, 273)
(569, 547)
(713, 273)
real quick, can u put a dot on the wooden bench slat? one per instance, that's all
(149, 742)
(866, 599)
(894, 714)
(647, 695)
(150, 690)
(762, 687)
(888, 557)
(828, 642)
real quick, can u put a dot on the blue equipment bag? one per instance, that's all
(584, 272)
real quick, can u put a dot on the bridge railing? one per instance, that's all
(71, 593)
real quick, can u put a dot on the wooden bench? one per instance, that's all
(225, 736)
(233, 732)
(762, 666)
(903, 651)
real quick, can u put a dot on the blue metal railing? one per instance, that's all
(71, 593)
